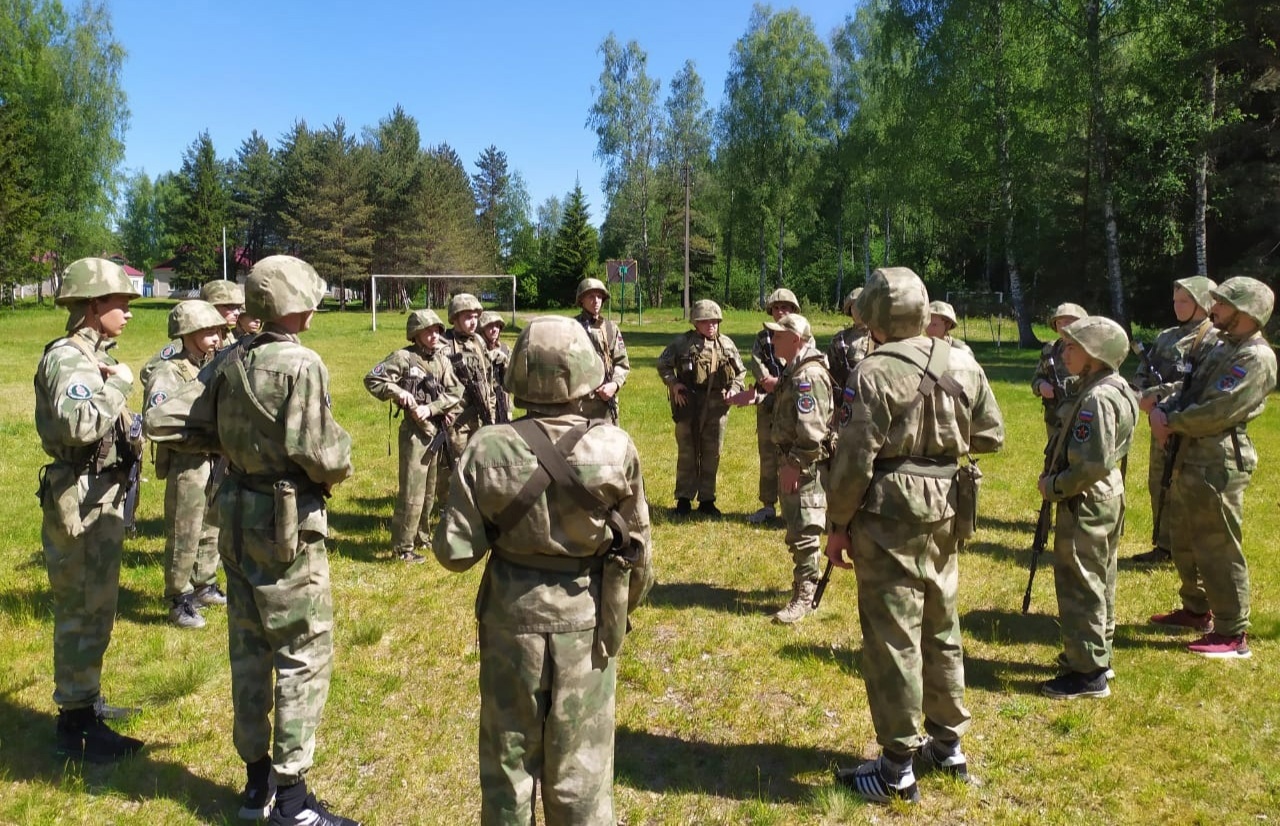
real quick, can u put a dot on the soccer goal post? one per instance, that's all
(978, 304)
(398, 295)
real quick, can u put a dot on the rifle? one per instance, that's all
(503, 412)
(426, 389)
(1171, 449)
(1044, 521)
(612, 404)
(133, 460)
(822, 586)
(1137, 348)
(471, 392)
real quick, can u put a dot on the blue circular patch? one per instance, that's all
(1227, 383)
(168, 352)
(1082, 432)
(805, 404)
(158, 398)
(378, 370)
(846, 413)
(79, 392)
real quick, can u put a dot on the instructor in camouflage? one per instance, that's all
(766, 368)
(567, 561)
(85, 428)
(1052, 383)
(419, 380)
(605, 336)
(910, 410)
(1215, 462)
(469, 357)
(849, 346)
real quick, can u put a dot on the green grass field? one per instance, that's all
(722, 716)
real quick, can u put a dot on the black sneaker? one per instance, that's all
(877, 782)
(1155, 556)
(1076, 686)
(931, 757)
(313, 813)
(259, 790)
(207, 595)
(707, 507)
(82, 735)
(110, 712)
(683, 507)
(412, 557)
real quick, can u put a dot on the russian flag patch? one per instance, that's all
(1238, 371)
(804, 386)
(849, 393)
(1086, 415)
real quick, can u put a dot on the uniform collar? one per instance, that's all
(96, 339)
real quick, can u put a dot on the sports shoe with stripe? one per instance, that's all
(1222, 647)
(1076, 686)
(879, 782)
(934, 757)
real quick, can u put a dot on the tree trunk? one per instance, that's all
(886, 237)
(781, 238)
(728, 252)
(764, 264)
(1111, 232)
(839, 262)
(1201, 242)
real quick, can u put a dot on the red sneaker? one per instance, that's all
(1182, 618)
(1219, 647)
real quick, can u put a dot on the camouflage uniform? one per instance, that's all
(222, 292)
(1088, 484)
(1056, 374)
(191, 542)
(706, 367)
(607, 339)
(405, 369)
(892, 489)
(546, 681)
(848, 347)
(764, 364)
(469, 357)
(1214, 466)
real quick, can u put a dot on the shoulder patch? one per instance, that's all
(804, 385)
(1227, 383)
(79, 392)
(850, 394)
(1086, 416)
(169, 351)
(1238, 371)
(378, 369)
(846, 414)
(805, 403)
(158, 398)
(1081, 432)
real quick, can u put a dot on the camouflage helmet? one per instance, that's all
(945, 310)
(849, 306)
(782, 296)
(490, 317)
(553, 362)
(895, 303)
(193, 316)
(1199, 288)
(463, 302)
(93, 278)
(280, 285)
(1067, 309)
(587, 285)
(705, 310)
(420, 320)
(1100, 337)
(1249, 296)
(222, 291)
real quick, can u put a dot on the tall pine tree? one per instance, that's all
(577, 251)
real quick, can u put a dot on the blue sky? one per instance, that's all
(517, 75)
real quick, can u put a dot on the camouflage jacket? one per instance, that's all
(1056, 407)
(471, 364)
(491, 472)
(765, 363)
(607, 339)
(1174, 351)
(883, 417)
(76, 408)
(702, 365)
(802, 414)
(957, 344)
(1229, 389)
(404, 369)
(168, 370)
(848, 347)
(1087, 452)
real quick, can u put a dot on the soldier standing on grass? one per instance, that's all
(1087, 482)
(801, 427)
(607, 339)
(1158, 376)
(849, 346)
(1209, 413)
(85, 428)
(567, 561)
(469, 357)
(1051, 374)
(942, 320)
(702, 370)
(909, 411)
(228, 298)
(420, 381)
(766, 367)
(191, 542)
(490, 326)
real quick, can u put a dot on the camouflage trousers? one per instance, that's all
(698, 454)
(279, 624)
(1207, 504)
(546, 720)
(768, 454)
(805, 513)
(416, 496)
(1155, 473)
(912, 661)
(191, 542)
(82, 546)
(594, 408)
(1085, 541)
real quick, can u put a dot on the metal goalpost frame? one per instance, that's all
(456, 276)
(987, 302)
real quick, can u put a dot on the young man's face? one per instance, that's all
(430, 337)
(203, 342)
(592, 302)
(247, 324)
(708, 328)
(938, 326)
(1063, 321)
(781, 310)
(491, 333)
(231, 312)
(113, 313)
(786, 345)
(1184, 306)
(1075, 358)
(465, 322)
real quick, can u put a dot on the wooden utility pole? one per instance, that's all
(686, 243)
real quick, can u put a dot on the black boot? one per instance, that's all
(82, 735)
(259, 790)
(707, 507)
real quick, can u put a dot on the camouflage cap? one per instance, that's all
(849, 306)
(93, 278)
(1100, 337)
(193, 316)
(705, 309)
(490, 317)
(945, 310)
(1249, 296)
(895, 303)
(791, 323)
(1199, 288)
(782, 296)
(1067, 309)
(587, 285)
(420, 320)
(552, 362)
(280, 285)
(222, 291)
(463, 302)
